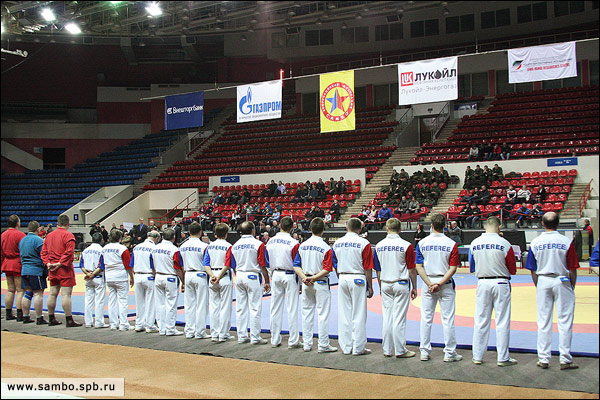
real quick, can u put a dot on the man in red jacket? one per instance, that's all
(11, 266)
(58, 253)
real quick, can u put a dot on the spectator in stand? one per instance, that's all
(471, 199)
(364, 213)
(372, 215)
(313, 194)
(272, 189)
(57, 254)
(331, 186)
(469, 176)
(235, 219)
(474, 217)
(537, 212)
(321, 186)
(497, 173)
(444, 176)
(295, 229)
(265, 237)
(329, 219)
(104, 233)
(245, 197)
(419, 234)
(462, 216)
(522, 214)
(274, 217)
(319, 213)
(587, 227)
(511, 195)
(335, 210)
(496, 152)
(384, 214)
(11, 266)
(218, 199)
(95, 228)
(540, 195)
(484, 196)
(280, 188)
(301, 193)
(488, 151)
(308, 216)
(340, 187)
(278, 207)
(523, 195)
(455, 233)
(506, 151)
(414, 206)
(403, 205)
(266, 211)
(274, 229)
(487, 175)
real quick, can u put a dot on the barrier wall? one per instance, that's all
(290, 177)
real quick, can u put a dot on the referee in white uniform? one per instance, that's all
(492, 259)
(145, 311)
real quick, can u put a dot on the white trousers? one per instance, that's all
(145, 311)
(196, 303)
(445, 296)
(284, 287)
(395, 298)
(352, 313)
(166, 294)
(220, 298)
(95, 294)
(492, 294)
(557, 290)
(118, 304)
(317, 296)
(248, 292)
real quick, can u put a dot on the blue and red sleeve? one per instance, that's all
(327, 261)
(262, 262)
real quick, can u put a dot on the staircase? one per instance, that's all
(214, 125)
(447, 130)
(401, 156)
(570, 211)
(443, 203)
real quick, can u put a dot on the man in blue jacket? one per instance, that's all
(33, 273)
(384, 214)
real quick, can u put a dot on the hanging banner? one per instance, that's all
(337, 101)
(184, 111)
(428, 81)
(542, 63)
(259, 101)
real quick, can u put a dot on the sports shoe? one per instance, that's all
(189, 336)
(329, 349)
(275, 345)
(214, 339)
(71, 323)
(387, 355)
(570, 365)
(101, 326)
(477, 362)
(202, 337)
(127, 328)
(246, 340)
(363, 353)
(307, 349)
(542, 365)
(140, 330)
(175, 333)
(41, 321)
(261, 341)
(27, 320)
(114, 328)
(425, 357)
(507, 363)
(408, 354)
(54, 322)
(294, 346)
(152, 330)
(453, 358)
(9, 315)
(89, 326)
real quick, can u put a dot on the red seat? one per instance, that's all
(572, 172)
(557, 206)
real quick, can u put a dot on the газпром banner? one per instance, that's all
(259, 101)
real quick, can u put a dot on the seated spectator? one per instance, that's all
(419, 234)
(266, 211)
(462, 216)
(484, 196)
(522, 213)
(469, 177)
(475, 215)
(403, 205)
(487, 175)
(235, 219)
(335, 210)
(313, 194)
(340, 187)
(523, 195)
(218, 199)
(331, 186)
(444, 176)
(384, 214)
(506, 151)
(319, 213)
(364, 213)
(497, 173)
(308, 216)
(540, 195)
(414, 206)
(329, 219)
(280, 188)
(321, 186)
(511, 195)
(245, 197)
(455, 233)
(272, 189)
(473, 153)
(536, 213)
(470, 199)
(274, 229)
(496, 152)
(295, 229)
(278, 207)
(265, 238)
(488, 151)
(372, 215)
(301, 193)
(275, 217)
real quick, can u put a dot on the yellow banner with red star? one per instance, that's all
(337, 101)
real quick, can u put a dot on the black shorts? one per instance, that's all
(34, 282)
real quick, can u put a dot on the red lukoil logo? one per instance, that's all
(406, 79)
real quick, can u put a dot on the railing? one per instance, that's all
(452, 51)
(166, 218)
(439, 121)
(198, 141)
(584, 199)
(403, 122)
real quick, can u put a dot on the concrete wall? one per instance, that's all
(167, 199)
(44, 130)
(131, 212)
(290, 177)
(23, 158)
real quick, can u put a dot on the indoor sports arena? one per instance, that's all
(319, 199)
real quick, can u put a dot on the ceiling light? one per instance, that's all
(331, 5)
(319, 22)
(344, 26)
(291, 13)
(358, 16)
(444, 3)
(400, 9)
(251, 29)
(243, 38)
(2, 28)
(48, 15)
(154, 9)
(73, 28)
(115, 3)
(446, 11)
(253, 21)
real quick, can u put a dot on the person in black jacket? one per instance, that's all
(319, 213)
(140, 232)
(335, 207)
(419, 234)
(540, 196)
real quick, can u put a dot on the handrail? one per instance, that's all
(202, 143)
(440, 120)
(189, 202)
(403, 122)
(584, 198)
(464, 49)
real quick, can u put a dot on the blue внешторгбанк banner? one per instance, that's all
(184, 111)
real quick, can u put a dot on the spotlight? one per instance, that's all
(344, 26)
(445, 11)
(319, 22)
(243, 38)
(154, 9)
(73, 28)
(48, 15)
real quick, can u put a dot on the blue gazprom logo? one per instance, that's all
(246, 107)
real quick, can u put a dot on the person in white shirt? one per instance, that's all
(492, 259)
(436, 260)
(114, 262)
(280, 253)
(247, 258)
(394, 260)
(95, 287)
(312, 264)
(167, 265)
(196, 283)
(141, 262)
(221, 286)
(353, 262)
(553, 263)
(523, 195)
